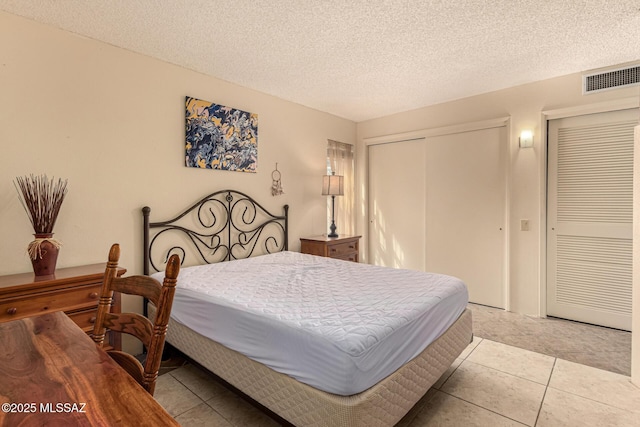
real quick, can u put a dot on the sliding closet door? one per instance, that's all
(438, 204)
(465, 210)
(590, 209)
(397, 205)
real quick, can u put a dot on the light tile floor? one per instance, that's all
(490, 384)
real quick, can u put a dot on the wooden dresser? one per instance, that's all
(343, 247)
(74, 290)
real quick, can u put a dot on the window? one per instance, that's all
(340, 160)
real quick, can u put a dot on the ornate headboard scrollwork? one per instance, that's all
(222, 226)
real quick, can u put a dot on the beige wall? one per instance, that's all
(112, 123)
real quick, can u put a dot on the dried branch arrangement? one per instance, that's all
(41, 199)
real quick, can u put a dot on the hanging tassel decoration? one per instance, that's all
(276, 186)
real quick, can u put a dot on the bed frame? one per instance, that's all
(230, 225)
(222, 226)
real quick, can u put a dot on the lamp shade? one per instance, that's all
(333, 185)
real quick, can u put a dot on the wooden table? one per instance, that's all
(52, 373)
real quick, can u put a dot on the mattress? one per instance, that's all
(382, 405)
(337, 326)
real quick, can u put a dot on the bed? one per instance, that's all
(317, 341)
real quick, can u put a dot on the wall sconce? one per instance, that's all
(333, 185)
(526, 139)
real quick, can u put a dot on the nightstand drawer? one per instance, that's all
(349, 257)
(340, 249)
(66, 299)
(345, 247)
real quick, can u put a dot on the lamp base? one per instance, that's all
(333, 218)
(333, 230)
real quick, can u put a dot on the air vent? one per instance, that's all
(612, 79)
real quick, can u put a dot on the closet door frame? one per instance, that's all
(546, 116)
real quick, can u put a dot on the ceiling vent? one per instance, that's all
(612, 79)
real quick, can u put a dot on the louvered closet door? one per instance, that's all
(589, 233)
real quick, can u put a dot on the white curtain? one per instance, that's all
(340, 160)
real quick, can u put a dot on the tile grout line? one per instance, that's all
(205, 402)
(466, 359)
(194, 393)
(484, 409)
(546, 387)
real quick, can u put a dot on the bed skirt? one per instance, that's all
(384, 404)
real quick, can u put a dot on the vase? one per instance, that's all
(43, 252)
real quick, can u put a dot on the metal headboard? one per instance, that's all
(222, 226)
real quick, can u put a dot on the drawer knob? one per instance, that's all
(333, 249)
(12, 310)
(92, 319)
(93, 295)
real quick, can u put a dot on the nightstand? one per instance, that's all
(74, 290)
(343, 247)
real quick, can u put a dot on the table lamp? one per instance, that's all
(333, 185)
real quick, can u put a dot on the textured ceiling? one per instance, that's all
(361, 59)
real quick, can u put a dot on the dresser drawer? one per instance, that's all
(74, 290)
(85, 319)
(65, 299)
(338, 250)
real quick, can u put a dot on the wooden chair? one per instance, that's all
(151, 334)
